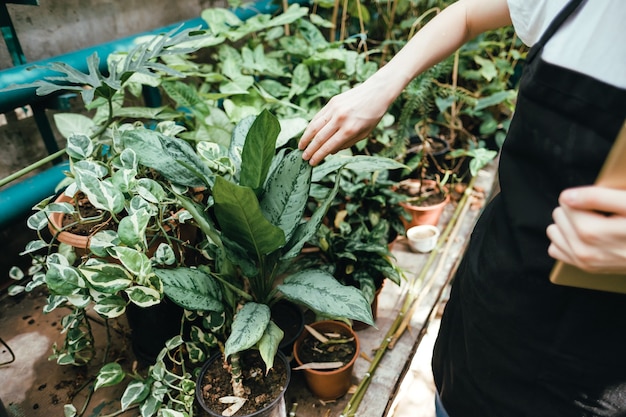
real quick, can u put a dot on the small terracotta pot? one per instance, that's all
(424, 214)
(55, 225)
(328, 384)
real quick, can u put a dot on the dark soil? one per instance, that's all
(312, 350)
(86, 227)
(261, 389)
(425, 196)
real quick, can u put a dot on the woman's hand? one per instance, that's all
(589, 229)
(346, 119)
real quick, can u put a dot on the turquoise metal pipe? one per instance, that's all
(17, 200)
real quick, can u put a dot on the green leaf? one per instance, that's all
(63, 280)
(259, 150)
(241, 220)
(132, 228)
(248, 327)
(174, 158)
(150, 406)
(135, 392)
(306, 230)
(487, 68)
(143, 296)
(110, 307)
(286, 193)
(79, 146)
(191, 289)
(268, 345)
(321, 292)
(107, 278)
(109, 375)
(356, 163)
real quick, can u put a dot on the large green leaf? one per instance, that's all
(286, 193)
(306, 230)
(268, 345)
(321, 292)
(247, 328)
(174, 158)
(239, 216)
(356, 163)
(259, 150)
(192, 289)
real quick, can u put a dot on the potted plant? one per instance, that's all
(354, 242)
(257, 228)
(326, 353)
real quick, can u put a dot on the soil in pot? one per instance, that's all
(262, 390)
(426, 203)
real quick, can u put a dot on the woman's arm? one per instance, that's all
(589, 229)
(352, 115)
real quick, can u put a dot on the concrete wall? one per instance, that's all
(60, 26)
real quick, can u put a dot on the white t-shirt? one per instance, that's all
(592, 41)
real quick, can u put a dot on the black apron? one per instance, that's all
(511, 343)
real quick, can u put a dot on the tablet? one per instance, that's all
(612, 175)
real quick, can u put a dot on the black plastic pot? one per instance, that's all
(277, 408)
(152, 326)
(289, 317)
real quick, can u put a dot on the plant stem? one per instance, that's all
(31, 167)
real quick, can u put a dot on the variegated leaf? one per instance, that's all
(109, 375)
(268, 345)
(286, 193)
(110, 307)
(135, 392)
(321, 292)
(79, 146)
(247, 328)
(143, 296)
(132, 228)
(191, 288)
(107, 278)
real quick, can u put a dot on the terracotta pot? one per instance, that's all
(55, 225)
(328, 384)
(187, 232)
(277, 408)
(424, 214)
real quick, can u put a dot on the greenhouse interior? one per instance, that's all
(168, 251)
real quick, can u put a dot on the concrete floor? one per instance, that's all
(33, 386)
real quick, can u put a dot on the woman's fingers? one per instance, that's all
(591, 232)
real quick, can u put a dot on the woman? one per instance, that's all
(511, 343)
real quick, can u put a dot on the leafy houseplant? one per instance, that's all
(360, 226)
(258, 231)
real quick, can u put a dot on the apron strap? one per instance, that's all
(554, 26)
